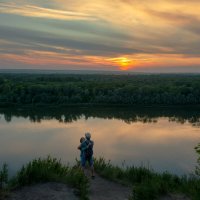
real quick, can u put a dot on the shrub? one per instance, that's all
(3, 180)
(197, 171)
(3, 175)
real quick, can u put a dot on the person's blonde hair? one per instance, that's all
(88, 135)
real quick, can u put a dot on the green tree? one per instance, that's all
(3, 175)
(197, 171)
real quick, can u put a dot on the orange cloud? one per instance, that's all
(134, 62)
(140, 61)
(52, 60)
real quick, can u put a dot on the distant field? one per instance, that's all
(67, 89)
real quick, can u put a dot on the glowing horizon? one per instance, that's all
(100, 35)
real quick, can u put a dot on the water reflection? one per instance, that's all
(154, 138)
(126, 114)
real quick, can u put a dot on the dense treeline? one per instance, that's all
(66, 89)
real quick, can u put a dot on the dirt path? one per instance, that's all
(101, 189)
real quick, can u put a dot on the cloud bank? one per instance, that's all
(99, 34)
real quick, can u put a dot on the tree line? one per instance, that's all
(65, 89)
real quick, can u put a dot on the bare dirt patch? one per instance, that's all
(101, 189)
(50, 191)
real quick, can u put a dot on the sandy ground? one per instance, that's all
(100, 189)
(49, 191)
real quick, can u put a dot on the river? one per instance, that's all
(159, 138)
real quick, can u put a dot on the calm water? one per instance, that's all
(161, 138)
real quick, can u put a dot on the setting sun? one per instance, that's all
(123, 62)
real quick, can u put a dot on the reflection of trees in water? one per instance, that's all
(194, 120)
(126, 114)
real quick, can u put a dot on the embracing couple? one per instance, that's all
(86, 148)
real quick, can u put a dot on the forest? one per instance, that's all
(99, 89)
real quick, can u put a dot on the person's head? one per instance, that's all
(87, 136)
(82, 140)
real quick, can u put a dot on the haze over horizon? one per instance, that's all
(133, 35)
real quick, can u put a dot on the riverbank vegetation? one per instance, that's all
(146, 184)
(150, 185)
(47, 170)
(57, 89)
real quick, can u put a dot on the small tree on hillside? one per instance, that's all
(3, 175)
(197, 171)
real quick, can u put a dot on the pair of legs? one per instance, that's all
(90, 161)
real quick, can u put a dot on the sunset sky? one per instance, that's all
(134, 35)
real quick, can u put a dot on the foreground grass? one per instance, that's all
(147, 184)
(48, 170)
